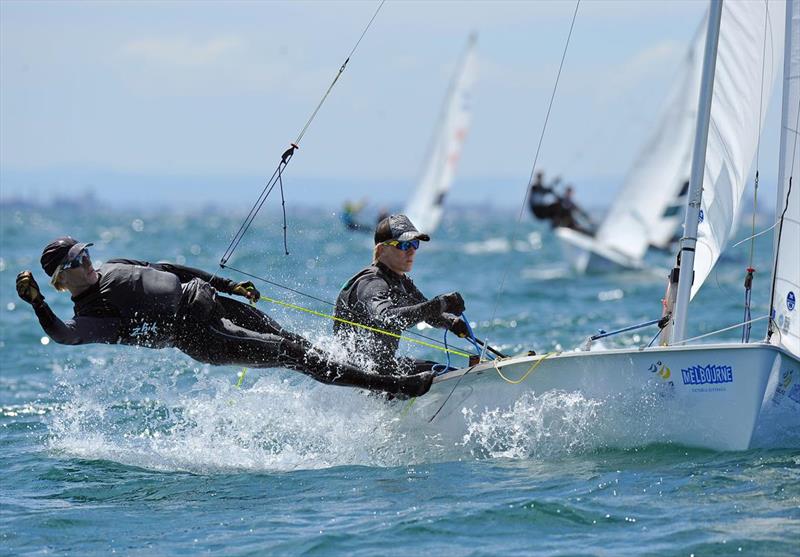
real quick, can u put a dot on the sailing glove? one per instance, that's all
(460, 328)
(451, 303)
(28, 290)
(415, 385)
(246, 290)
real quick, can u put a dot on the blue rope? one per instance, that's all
(439, 369)
(472, 340)
(442, 368)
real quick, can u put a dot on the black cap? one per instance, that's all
(58, 251)
(398, 227)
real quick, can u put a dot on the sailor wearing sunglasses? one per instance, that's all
(160, 304)
(382, 296)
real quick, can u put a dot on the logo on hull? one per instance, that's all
(711, 374)
(661, 369)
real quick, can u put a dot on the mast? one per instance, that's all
(695, 194)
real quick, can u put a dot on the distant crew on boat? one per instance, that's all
(559, 209)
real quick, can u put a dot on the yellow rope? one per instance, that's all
(241, 377)
(527, 373)
(373, 329)
(407, 407)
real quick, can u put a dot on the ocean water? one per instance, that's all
(114, 449)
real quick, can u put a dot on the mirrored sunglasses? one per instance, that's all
(403, 246)
(77, 261)
(71, 263)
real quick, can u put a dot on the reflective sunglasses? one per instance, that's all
(403, 246)
(77, 261)
(71, 263)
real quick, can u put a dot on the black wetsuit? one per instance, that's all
(380, 298)
(160, 304)
(543, 202)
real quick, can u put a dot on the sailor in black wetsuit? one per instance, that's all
(542, 200)
(382, 296)
(160, 304)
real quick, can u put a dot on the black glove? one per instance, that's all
(460, 328)
(415, 385)
(27, 288)
(247, 290)
(452, 303)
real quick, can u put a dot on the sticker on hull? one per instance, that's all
(711, 374)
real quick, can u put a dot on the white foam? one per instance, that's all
(168, 414)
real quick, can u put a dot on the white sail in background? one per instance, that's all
(786, 314)
(425, 205)
(738, 110)
(639, 216)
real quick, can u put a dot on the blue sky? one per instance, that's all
(170, 101)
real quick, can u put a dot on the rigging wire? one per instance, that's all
(536, 157)
(341, 70)
(277, 175)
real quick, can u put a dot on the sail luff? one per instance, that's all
(746, 72)
(785, 323)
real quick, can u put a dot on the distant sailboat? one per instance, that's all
(713, 395)
(647, 210)
(425, 205)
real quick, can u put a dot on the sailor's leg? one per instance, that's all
(323, 368)
(251, 318)
(221, 342)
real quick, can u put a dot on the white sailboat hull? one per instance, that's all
(709, 396)
(586, 256)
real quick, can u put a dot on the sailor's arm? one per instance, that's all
(184, 274)
(445, 319)
(376, 296)
(78, 330)
(54, 327)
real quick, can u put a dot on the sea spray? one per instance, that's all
(552, 423)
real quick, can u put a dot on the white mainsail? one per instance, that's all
(786, 318)
(751, 36)
(425, 205)
(637, 217)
